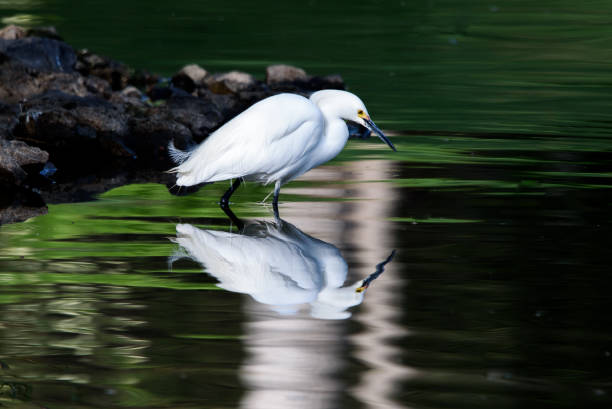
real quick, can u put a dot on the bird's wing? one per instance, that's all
(261, 267)
(271, 136)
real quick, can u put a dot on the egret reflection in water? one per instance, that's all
(278, 265)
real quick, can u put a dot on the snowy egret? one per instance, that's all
(278, 265)
(274, 141)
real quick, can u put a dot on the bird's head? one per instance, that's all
(349, 107)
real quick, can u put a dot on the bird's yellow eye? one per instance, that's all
(360, 112)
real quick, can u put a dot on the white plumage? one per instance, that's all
(278, 265)
(274, 141)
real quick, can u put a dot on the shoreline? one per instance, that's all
(74, 124)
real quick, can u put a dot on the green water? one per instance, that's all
(489, 66)
(498, 205)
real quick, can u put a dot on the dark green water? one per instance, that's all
(498, 204)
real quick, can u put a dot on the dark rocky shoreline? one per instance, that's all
(74, 124)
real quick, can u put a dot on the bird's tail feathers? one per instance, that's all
(178, 156)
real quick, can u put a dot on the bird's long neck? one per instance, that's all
(334, 139)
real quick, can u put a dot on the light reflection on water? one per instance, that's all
(288, 359)
(292, 359)
(278, 265)
(486, 300)
(499, 292)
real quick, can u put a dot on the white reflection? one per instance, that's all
(277, 265)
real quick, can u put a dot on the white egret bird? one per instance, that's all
(278, 265)
(274, 141)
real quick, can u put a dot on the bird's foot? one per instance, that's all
(226, 209)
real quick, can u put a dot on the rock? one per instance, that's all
(195, 72)
(41, 54)
(96, 86)
(131, 92)
(10, 171)
(143, 79)
(48, 32)
(230, 82)
(183, 82)
(227, 104)
(285, 78)
(14, 155)
(282, 73)
(190, 77)
(18, 212)
(149, 137)
(131, 98)
(327, 82)
(200, 116)
(115, 73)
(18, 82)
(32, 66)
(184, 119)
(12, 32)
(8, 119)
(80, 133)
(163, 92)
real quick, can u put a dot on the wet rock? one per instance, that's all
(231, 82)
(19, 212)
(48, 32)
(14, 156)
(131, 98)
(183, 82)
(132, 102)
(190, 77)
(72, 84)
(286, 78)
(18, 82)
(195, 72)
(200, 116)
(184, 119)
(115, 73)
(131, 92)
(143, 79)
(41, 54)
(12, 32)
(80, 133)
(164, 92)
(8, 119)
(327, 82)
(282, 73)
(19, 203)
(227, 104)
(149, 137)
(96, 86)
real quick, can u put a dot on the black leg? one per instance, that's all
(233, 217)
(224, 203)
(275, 201)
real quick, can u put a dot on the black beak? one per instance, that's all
(380, 267)
(372, 127)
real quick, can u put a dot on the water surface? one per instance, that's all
(498, 291)
(497, 204)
